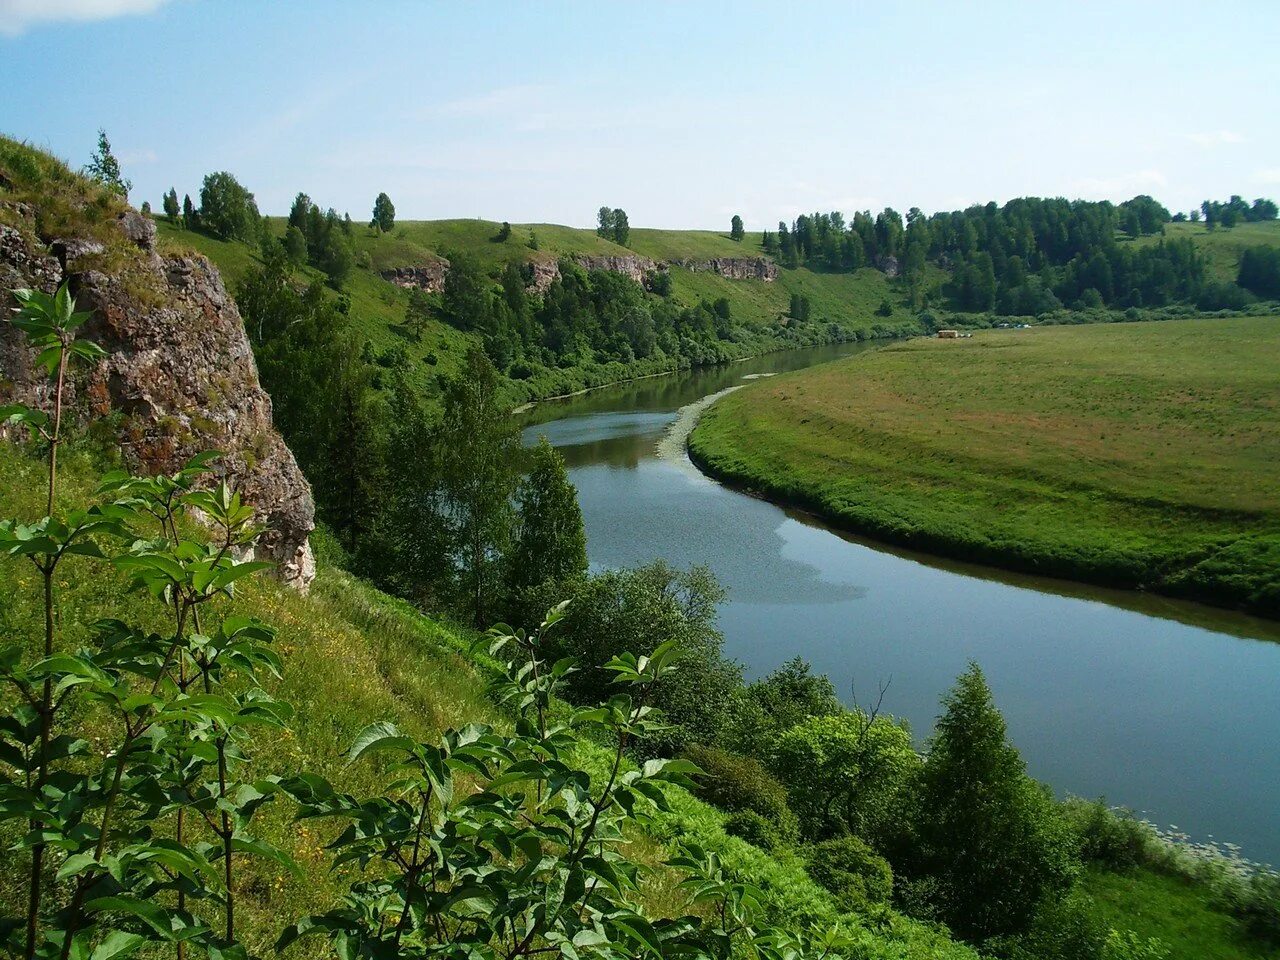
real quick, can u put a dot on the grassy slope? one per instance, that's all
(1222, 248)
(1131, 454)
(1179, 914)
(354, 656)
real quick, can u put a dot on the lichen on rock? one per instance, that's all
(179, 369)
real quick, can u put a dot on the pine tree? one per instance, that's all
(991, 838)
(171, 206)
(549, 549)
(190, 219)
(105, 168)
(736, 231)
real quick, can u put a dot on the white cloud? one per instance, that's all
(17, 15)
(1215, 138)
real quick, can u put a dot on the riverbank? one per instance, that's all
(1137, 456)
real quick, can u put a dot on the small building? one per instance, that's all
(948, 334)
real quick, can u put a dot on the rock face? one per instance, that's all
(179, 368)
(633, 267)
(426, 276)
(734, 268)
(430, 276)
(888, 265)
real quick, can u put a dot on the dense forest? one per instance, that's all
(1029, 257)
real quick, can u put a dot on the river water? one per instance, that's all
(1170, 708)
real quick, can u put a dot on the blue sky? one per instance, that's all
(682, 113)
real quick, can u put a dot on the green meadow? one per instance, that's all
(1137, 455)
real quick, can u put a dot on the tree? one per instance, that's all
(1260, 271)
(172, 209)
(736, 231)
(621, 227)
(190, 216)
(105, 168)
(227, 209)
(300, 214)
(478, 444)
(145, 209)
(991, 839)
(636, 609)
(847, 773)
(503, 234)
(549, 549)
(604, 222)
(384, 213)
(295, 246)
(465, 298)
(334, 255)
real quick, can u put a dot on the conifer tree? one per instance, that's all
(991, 838)
(105, 168)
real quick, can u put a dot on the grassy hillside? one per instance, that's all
(353, 656)
(1222, 248)
(1128, 454)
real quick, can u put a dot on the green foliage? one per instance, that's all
(477, 445)
(847, 773)
(177, 706)
(736, 784)
(621, 610)
(852, 871)
(384, 213)
(227, 209)
(767, 708)
(172, 210)
(975, 796)
(1260, 271)
(548, 552)
(528, 857)
(736, 231)
(1112, 838)
(105, 168)
(322, 401)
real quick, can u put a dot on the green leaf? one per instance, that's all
(260, 848)
(379, 736)
(117, 945)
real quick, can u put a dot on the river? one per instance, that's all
(1170, 708)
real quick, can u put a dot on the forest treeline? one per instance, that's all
(1027, 257)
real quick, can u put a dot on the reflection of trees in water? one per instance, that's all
(617, 452)
(672, 391)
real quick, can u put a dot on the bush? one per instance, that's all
(851, 870)
(847, 773)
(1113, 838)
(750, 826)
(738, 784)
(1063, 929)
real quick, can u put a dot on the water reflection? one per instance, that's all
(1154, 703)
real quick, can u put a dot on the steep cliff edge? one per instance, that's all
(179, 376)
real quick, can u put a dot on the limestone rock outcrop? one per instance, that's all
(733, 268)
(427, 276)
(179, 369)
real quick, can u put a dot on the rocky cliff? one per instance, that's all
(733, 268)
(429, 276)
(179, 370)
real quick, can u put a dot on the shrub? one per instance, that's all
(755, 829)
(847, 773)
(1114, 838)
(856, 874)
(737, 783)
